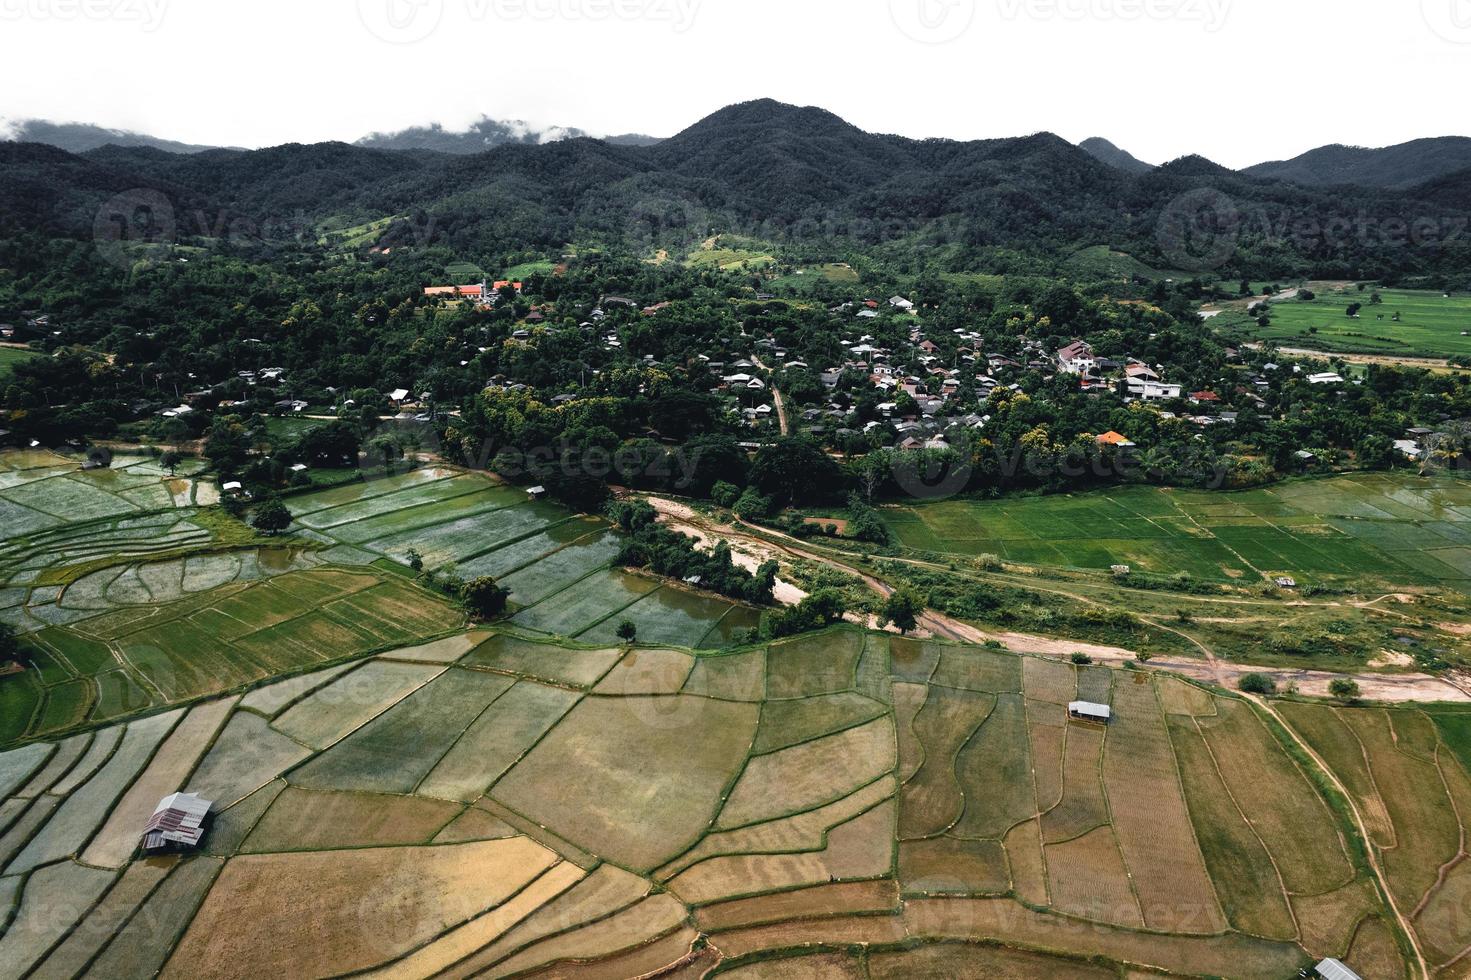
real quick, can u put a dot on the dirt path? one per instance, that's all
(1428, 363)
(1360, 826)
(776, 396)
(753, 545)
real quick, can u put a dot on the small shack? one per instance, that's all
(1088, 711)
(536, 493)
(177, 824)
(1334, 970)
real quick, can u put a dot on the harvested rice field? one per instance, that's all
(843, 805)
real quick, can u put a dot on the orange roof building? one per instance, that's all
(1115, 439)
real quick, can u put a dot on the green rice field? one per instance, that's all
(1370, 527)
(1431, 325)
(130, 600)
(556, 565)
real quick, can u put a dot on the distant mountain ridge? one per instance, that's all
(765, 170)
(486, 134)
(81, 137)
(1105, 152)
(1400, 167)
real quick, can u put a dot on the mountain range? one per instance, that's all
(772, 172)
(1400, 167)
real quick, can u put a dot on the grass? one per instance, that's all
(838, 273)
(1431, 325)
(10, 356)
(1388, 527)
(1102, 262)
(519, 273)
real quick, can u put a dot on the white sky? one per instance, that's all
(1240, 81)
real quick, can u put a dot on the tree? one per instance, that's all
(1345, 689)
(227, 446)
(1082, 659)
(752, 506)
(170, 461)
(416, 560)
(9, 643)
(271, 517)
(795, 470)
(902, 609)
(1258, 684)
(1354, 308)
(725, 494)
(484, 597)
(628, 631)
(1376, 452)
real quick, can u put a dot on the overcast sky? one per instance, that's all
(1240, 81)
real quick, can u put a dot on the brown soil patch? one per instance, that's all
(335, 912)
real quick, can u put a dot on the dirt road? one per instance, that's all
(752, 546)
(776, 397)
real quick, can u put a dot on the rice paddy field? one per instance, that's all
(557, 566)
(846, 804)
(1370, 529)
(1430, 325)
(131, 597)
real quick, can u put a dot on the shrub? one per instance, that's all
(484, 597)
(752, 506)
(725, 494)
(1082, 659)
(1258, 684)
(1345, 689)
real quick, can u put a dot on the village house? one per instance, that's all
(1077, 358)
(1151, 391)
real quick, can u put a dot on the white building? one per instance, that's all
(1152, 391)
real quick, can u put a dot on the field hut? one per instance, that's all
(177, 824)
(536, 493)
(1088, 711)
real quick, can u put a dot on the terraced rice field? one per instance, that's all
(557, 566)
(139, 608)
(1406, 771)
(842, 805)
(1369, 528)
(171, 645)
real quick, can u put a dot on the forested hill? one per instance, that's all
(799, 177)
(1399, 167)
